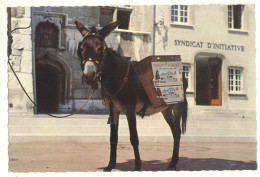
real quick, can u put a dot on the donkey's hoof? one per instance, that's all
(138, 166)
(109, 168)
(171, 168)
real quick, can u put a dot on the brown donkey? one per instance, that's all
(123, 92)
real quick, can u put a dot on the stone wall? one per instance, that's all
(21, 60)
(135, 43)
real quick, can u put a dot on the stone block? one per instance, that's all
(16, 52)
(20, 11)
(16, 62)
(18, 101)
(27, 13)
(26, 62)
(23, 23)
(22, 42)
(14, 24)
(13, 12)
(25, 79)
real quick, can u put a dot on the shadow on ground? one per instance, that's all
(188, 164)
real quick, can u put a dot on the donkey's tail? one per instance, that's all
(185, 105)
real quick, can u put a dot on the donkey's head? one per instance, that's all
(91, 49)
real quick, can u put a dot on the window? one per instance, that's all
(235, 80)
(122, 13)
(235, 16)
(186, 70)
(110, 14)
(47, 35)
(180, 14)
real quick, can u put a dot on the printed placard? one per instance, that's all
(167, 78)
(167, 73)
(170, 94)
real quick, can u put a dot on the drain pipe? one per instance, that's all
(33, 60)
(154, 16)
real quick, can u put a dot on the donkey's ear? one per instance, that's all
(83, 30)
(106, 30)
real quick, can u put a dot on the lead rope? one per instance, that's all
(38, 106)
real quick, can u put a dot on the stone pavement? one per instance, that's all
(85, 157)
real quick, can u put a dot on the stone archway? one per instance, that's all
(53, 83)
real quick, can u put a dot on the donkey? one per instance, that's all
(122, 91)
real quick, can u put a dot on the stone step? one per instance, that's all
(88, 131)
(93, 128)
(124, 138)
(146, 122)
(211, 113)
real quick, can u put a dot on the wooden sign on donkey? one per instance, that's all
(161, 77)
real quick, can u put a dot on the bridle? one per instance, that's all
(100, 65)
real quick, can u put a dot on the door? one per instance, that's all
(46, 89)
(208, 81)
(214, 66)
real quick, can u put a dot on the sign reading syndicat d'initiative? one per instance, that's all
(209, 45)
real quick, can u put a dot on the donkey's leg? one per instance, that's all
(113, 141)
(174, 123)
(131, 118)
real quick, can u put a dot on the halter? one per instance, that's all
(101, 63)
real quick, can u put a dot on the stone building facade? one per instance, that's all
(21, 60)
(216, 43)
(217, 47)
(49, 53)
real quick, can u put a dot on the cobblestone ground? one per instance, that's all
(84, 157)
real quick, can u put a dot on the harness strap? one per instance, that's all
(124, 81)
(110, 102)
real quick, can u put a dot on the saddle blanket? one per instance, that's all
(161, 77)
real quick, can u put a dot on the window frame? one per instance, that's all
(189, 88)
(231, 20)
(115, 9)
(179, 16)
(237, 83)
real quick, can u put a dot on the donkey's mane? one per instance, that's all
(115, 53)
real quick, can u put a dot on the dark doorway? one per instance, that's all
(208, 81)
(46, 89)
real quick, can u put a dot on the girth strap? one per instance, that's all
(110, 103)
